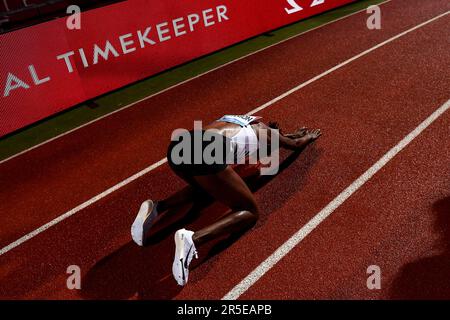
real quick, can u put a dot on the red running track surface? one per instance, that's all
(395, 221)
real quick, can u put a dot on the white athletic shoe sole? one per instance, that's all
(143, 222)
(184, 253)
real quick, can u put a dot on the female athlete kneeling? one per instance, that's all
(238, 136)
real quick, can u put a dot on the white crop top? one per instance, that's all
(245, 142)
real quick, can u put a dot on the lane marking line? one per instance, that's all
(80, 207)
(181, 83)
(301, 234)
(162, 161)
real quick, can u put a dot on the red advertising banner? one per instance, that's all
(48, 68)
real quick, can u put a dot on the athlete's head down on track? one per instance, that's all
(231, 142)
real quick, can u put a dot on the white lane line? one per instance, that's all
(162, 161)
(284, 95)
(180, 83)
(301, 234)
(80, 207)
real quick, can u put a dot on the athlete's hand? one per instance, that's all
(313, 134)
(297, 134)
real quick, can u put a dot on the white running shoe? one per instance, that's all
(184, 252)
(144, 220)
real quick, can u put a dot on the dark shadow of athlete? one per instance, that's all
(428, 277)
(219, 181)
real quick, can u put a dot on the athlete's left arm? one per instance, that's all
(273, 131)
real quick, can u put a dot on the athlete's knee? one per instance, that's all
(249, 205)
(254, 215)
(250, 213)
(254, 210)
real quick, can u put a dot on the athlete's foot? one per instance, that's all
(184, 253)
(143, 222)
